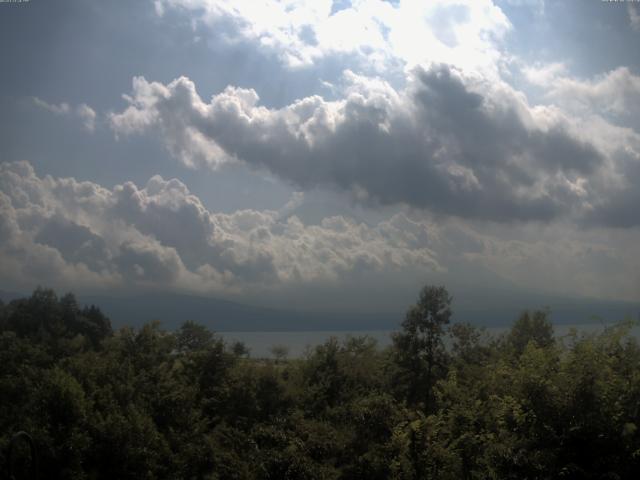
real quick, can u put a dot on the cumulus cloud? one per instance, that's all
(301, 32)
(80, 235)
(537, 5)
(450, 142)
(616, 92)
(544, 75)
(83, 112)
(605, 109)
(445, 131)
(59, 230)
(59, 109)
(87, 115)
(634, 16)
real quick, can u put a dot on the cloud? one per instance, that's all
(432, 124)
(615, 92)
(544, 75)
(381, 33)
(450, 142)
(64, 232)
(82, 111)
(148, 261)
(76, 243)
(80, 235)
(563, 259)
(634, 16)
(60, 109)
(621, 208)
(87, 115)
(537, 5)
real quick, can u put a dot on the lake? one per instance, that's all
(260, 343)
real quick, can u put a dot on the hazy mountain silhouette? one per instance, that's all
(224, 315)
(487, 307)
(497, 308)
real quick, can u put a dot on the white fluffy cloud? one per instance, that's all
(80, 235)
(449, 142)
(544, 75)
(616, 92)
(605, 109)
(634, 16)
(425, 118)
(59, 230)
(83, 112)
(461, 32)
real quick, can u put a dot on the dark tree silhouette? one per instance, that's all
(531, 327)
(419, 349)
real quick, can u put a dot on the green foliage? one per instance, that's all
(531, 327)
(57, 323)
(419, 349)
(192, 337)
(151, 404)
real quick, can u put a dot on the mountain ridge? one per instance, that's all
(500, 308)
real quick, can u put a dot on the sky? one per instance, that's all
(321, 154)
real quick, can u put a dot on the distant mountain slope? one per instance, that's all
(486, 307)
(499, 308)
(223, 315)
(7, 296)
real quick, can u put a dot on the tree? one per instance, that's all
(239, 349)
(192, 337)
(280, 352)
(54, 321)
(531, 327)
(97, 326)
(419, 349)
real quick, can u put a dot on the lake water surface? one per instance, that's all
(260, 343)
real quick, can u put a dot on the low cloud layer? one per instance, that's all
(615, 93)
(72, 234)
(61, 231)
(634, 16)
(450, 143)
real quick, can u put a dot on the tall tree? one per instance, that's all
(531, 327)
(192, 337)
(419, 349)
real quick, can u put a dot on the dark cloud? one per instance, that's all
(622, 209)
(80, 235)
(76, 243)
(61, 230)
(148, 262)
(442, 144)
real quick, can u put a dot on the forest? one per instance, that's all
(445, 401)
